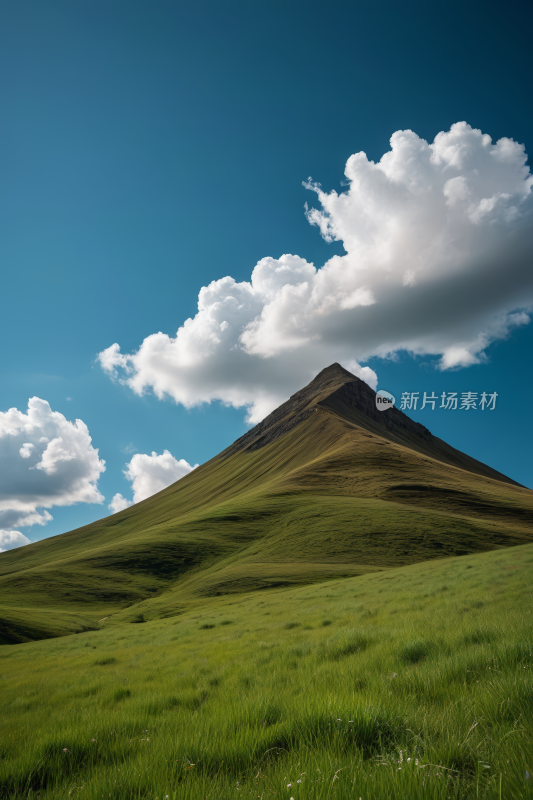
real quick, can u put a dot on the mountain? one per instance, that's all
(336, 391)
(325, 486)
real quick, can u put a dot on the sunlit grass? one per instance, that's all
(413, 683)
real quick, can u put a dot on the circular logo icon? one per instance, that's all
(384, 400)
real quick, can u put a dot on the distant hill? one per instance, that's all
(326, 486)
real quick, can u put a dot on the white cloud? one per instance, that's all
(45, 461)
(456, 190)
(150, 474)
(26, 449)
(439, 242)
(11, 539)
(119, 503)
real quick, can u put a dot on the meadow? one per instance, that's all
(413, 682)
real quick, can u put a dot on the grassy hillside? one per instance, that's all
(294, 504)
(410, 683)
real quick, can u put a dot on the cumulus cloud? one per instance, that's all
(26, 449)
(150, 474)
(45, 461)
(438, 243)
(119, 503)
(11, 539)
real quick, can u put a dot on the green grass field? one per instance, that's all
(413, 682)
(337, 605)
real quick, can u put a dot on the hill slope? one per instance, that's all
(353, 677)
(326, 486)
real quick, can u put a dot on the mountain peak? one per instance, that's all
(296, 409)
(334, 370)
(338, 393)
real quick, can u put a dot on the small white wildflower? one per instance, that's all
(289, 785)
(408, 759)
(298, 781)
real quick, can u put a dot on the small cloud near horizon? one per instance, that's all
(149, 475)
(9, 540)
(45, 461)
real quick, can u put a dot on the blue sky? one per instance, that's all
(148, 149)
